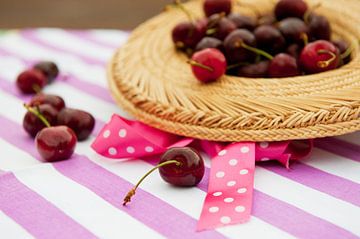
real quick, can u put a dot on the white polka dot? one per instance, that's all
(112, 151)
(264, 159)
(228, 200)
(106, 133)
(264, 145)
(244, 171)
(122, 133)
(213, 209)
(240, 208)
(220, 174)
(231, 183)
(245, 149)
(130, 150)
(233, 162)
(225, 220)
(242, 190)
(149, 149)
(222, 152)
(217, 194)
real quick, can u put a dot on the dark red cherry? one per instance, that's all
(209, 42)
(31, 81)
(56, 143)
(293, 29)
(81, 122)
(217, 6)
(220, 26)
(294, 50)
(283, 65)
(256, 70)
(235, 52)
(344, 48)
(187, 35)
(188, 173)
(269, 38)
(242, 21)
(319, 56)
(32, 124)
(55, 101)
(290, 8)
(319, 28)
(49, 69)
(208, 64)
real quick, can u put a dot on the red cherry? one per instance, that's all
(290, 8)
(31, 81)
(187, 34)
(283, 65)
(256, 70)
(235, 52)
(49, 69)
(56, 143)
(319, 56)
(181, 166)
(220, 26)
(55, 101)
(269, 38)
(319, 28)
(81, 122)
(209, 42)
(242, 21)
(31, 122)
(217, 6)
(208, 65)
(294, 30)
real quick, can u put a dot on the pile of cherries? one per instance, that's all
(291, 41)
(56, 128)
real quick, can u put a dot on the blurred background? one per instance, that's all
(118, 14)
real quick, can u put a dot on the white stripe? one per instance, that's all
(13, 159)
(11, 230)
(334, 164)
(66, 62)
(310, 200)
(12, 107)
(353, 138)
(84, 206)
(113, 37)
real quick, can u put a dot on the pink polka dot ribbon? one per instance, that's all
(229, 197)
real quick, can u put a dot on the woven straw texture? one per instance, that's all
(153, 82)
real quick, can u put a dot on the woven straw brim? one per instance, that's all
(153, 82)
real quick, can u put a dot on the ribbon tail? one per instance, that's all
(230, 192)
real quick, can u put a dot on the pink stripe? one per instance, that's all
(31, 36)
(35, 214)
(149, 209)
(339, 147)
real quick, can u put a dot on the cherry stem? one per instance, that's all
(237, 64)
(305, 38)
(213, 23)
(38, 114)
(131, 193)
(255, 50)
(323, 64)
(311, 10)
(348, 51)
(180, 5)
(195, 63)
(36, 88)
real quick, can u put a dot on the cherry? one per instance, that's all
(293, 29)
(294, 50)
(33, 124)
(81, 122)
(55, 101)
(220, 26)
(234, 47)
(290, 8)
(283, 65)
(56, 143)
(256, 70)
(242, 21)
(345, 50)
(319, 56)
(187, 35)
(269, 38)
(217, 6)
(209, 42)
(319, 28)
(31, 81)
(208, 65)
(49, 69)
(180, 166)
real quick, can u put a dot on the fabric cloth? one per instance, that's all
(82, 198)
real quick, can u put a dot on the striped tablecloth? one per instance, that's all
(81, 197)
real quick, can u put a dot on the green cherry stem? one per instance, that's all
(348, 51)
(255, 50)
(36, 88)
(180, 5)
(305, 38)
(195, 63)
(132, 192)
(38, 114)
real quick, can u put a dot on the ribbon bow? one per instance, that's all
(229, 195)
